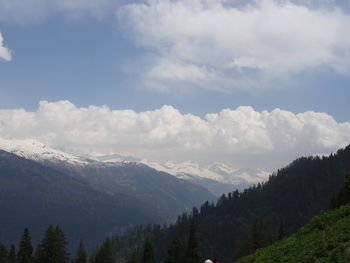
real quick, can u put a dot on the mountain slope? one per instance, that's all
(325, 239)
(164, 195)
(217, 177)
(89, 199)
(292, 196)
(34, 195)
(160, 193)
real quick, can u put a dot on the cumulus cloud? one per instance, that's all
(242, 45)
(240, 137)
(5, 53)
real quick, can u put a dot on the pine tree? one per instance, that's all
(148, 253)
(3, 254)
(44, 251)
(176, 252)
(133, 258)
(61, 253)
(81, 256)
(12, 256)
(25, 248)
(344, 194)
(105, 253)
(282, 231)
(192, 246)
(52, 248)
(259, 235)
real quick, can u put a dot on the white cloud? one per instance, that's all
(250, 45)
(241, 137)
(170, 70)
(5, 53)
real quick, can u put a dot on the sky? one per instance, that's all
(252, 83)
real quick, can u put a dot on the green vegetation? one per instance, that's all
(325, 239)
(25, 253)
(239, 224)
(105, 253)
(81, 256)
(148, 252)
(231, 228)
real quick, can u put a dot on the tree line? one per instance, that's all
(239, 222)
(53, 249)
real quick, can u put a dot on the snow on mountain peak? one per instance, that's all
(184, 168)
(221, 168)
(37, 151)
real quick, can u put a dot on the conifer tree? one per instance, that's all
(3, 254)
(344, 194)
(148, 252)
(259, 235)
(282, 231)
(12, 256)
(52, 248)
(192, 245)
(176, 252)
(105, 253)
(25, 248)
(61, 253)
(81, 256)
(133, 258)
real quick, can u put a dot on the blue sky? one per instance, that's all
(198, 56)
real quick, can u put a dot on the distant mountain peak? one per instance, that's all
(217, 176)
(37, 151)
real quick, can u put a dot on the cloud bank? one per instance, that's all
(228, 45)
(5, 53)
(240, 137)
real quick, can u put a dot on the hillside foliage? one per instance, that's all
(325, 239)
(290, 198)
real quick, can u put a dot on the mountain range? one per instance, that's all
(217, 177)
(41, 186)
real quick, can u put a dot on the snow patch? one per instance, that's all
(37, 151)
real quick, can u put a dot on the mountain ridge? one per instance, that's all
(216, 177)
(147, 195)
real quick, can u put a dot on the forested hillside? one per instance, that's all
(288, 200)
(325, 239)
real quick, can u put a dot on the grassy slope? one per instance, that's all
(326, 239)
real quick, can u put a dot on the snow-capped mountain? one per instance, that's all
(216, 177)
(37, 151)
(161, 193)
(112, 158)
(234, 176)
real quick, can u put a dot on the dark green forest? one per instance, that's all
(325, 239)
(234, 229)
(286, 202)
